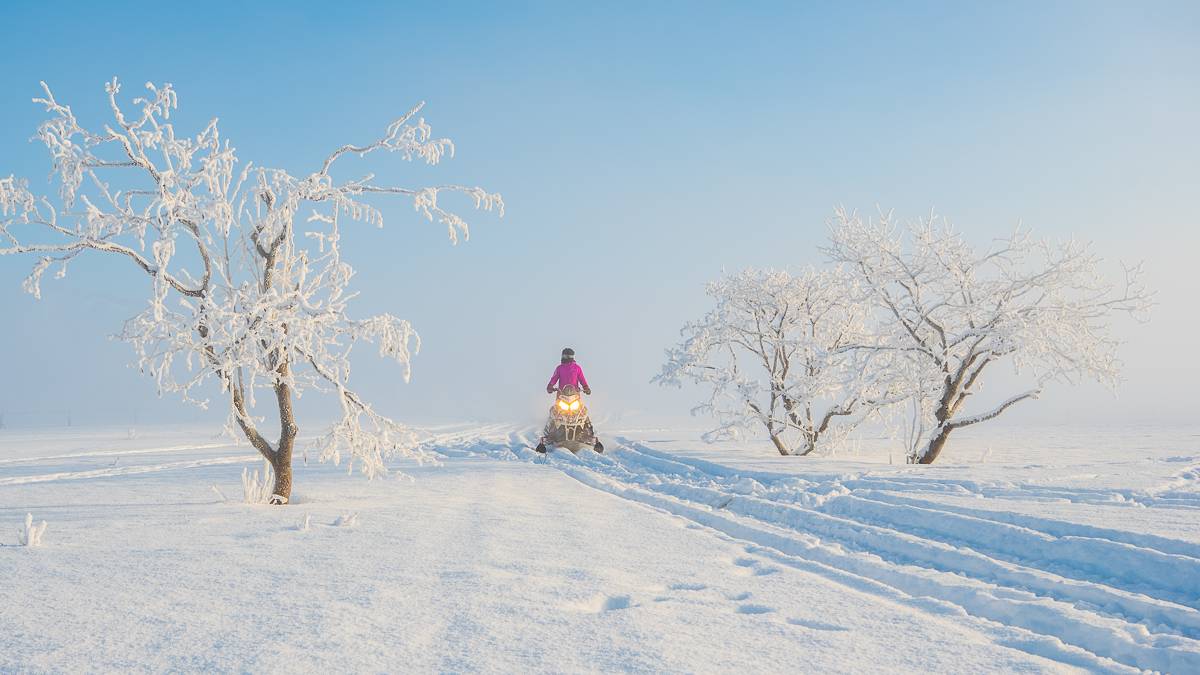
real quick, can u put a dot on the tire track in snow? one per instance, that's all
(1166, 576)
(1056, 528)
(443, 443)
(129, 470)
(810, 553)
(1054, 560)
(1109, 638)
(1168, 496)
(897, 541)
(119, 453)
(1141, 564)
(838, 527)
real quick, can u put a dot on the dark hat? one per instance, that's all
(567, 351)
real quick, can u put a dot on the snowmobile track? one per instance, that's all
(1092, 597)
(113, 472)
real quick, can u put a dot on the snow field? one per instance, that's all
(638, 560)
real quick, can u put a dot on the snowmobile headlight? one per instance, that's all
(574, 405)
(563, 405)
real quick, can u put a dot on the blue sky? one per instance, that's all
(641, 148)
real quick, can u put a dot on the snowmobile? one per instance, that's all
(569, 426)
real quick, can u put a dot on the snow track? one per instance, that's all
(1094, 597)
(113, 472)
(114, 453)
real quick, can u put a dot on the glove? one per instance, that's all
(549, 390)
(587, 391)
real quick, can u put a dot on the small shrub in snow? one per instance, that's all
(256, 489)
(304, 524)
(346, 520)
(31, 535)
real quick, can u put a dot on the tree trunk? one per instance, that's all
(810, 444)
(935, 445)
(281, 464)
(945, 409)
(281, 461)
(779, 445)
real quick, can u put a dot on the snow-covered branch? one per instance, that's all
(773, 354)
(994, 412)
(948, 312)
(247, 284)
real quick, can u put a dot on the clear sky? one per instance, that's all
(642, 148)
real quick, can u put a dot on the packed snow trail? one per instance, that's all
(1087, 596)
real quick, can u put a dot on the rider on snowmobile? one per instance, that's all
(568, 374)
(569, 426)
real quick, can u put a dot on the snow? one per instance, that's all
(1039, 550)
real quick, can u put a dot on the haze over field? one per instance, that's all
(641, 152)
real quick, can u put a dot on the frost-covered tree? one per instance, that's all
(776, 354)
(952, 312)
(247, 284)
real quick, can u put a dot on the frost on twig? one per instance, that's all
(257, 489)
(31, 534)
(346, 520)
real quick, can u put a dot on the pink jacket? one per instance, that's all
(568, 374)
